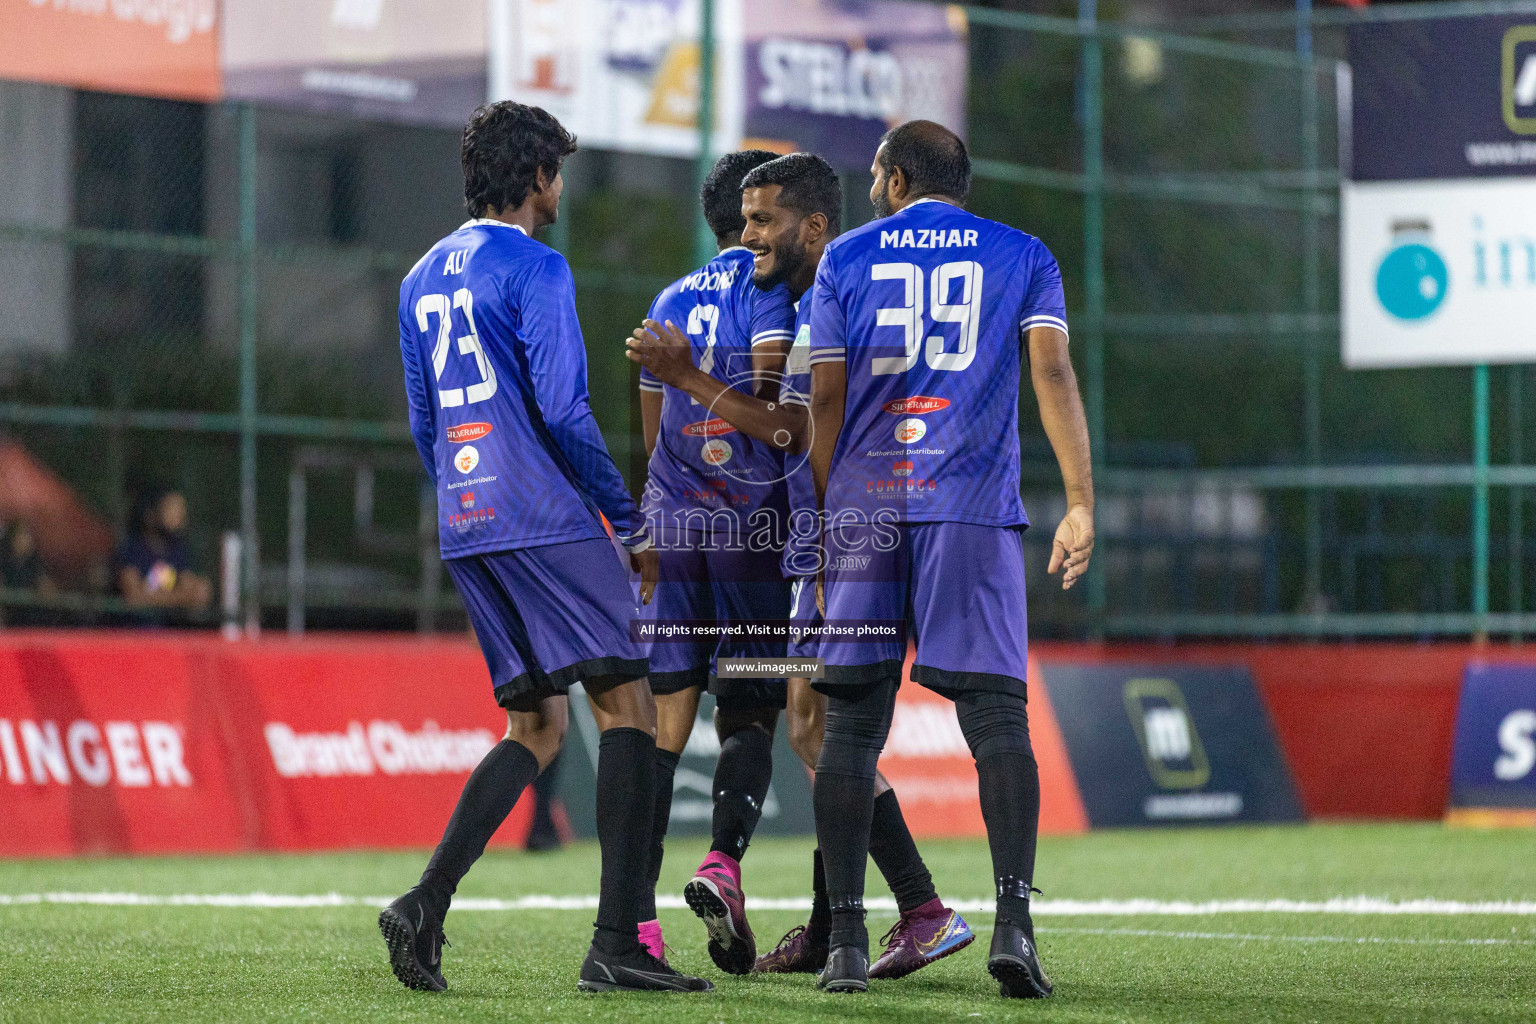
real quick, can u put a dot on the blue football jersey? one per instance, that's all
(704, 473)
(496, 381)
(802, 547)
(927, 308)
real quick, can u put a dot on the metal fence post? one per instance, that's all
(1516, 496)
(1093, 275)
(1480, 500)
(298, 505)
(704, 239)
(1311, 300)
(250, 576)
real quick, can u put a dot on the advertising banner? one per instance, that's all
(831, 76)
(1438, 212)
(928, 763)
(1493, 768)
(621, 74)
(123, 743)
(828, 76)
(413, 61)
(1170, 744)
(166, 48)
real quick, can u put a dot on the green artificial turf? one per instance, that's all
(113, 963)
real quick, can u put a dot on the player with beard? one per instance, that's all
(919, 323)
(792, 208)
(496, 385)
(715, 502)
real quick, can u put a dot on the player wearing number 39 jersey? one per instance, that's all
(496, 381)
(917, 325)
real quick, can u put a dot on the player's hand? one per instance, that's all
(821, 595)
(648, 564)
(1073, 545)
(662, 349)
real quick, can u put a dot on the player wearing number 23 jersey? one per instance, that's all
(496, 381)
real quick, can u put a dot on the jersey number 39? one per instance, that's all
(966, 312)
(469, 344)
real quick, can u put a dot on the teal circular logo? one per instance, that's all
(1412, 281)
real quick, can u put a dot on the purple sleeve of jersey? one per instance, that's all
(417, 399)
(773, 316)
(648, 381)
(828, 326)
(1044, 304)
(557, 367)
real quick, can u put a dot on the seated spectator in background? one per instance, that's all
(21, 569)
(152, 568)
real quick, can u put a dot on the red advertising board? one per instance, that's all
(127, 743)
(927, 762)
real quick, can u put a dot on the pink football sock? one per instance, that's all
(650, 938)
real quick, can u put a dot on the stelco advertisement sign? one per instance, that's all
(1438, 245)
(789, 74)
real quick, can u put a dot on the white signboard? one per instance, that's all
(620, 74)
(1439, 272)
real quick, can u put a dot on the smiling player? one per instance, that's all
(792, 208)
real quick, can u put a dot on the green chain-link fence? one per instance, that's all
(204, 296)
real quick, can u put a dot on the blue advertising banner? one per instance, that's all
(1170, 744)
(831, 76)
(1447, 98)
(1494, 764)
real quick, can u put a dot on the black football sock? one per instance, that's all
(820, 924)
(741, 783)
(666, 772)
(488, 797)
(626, 796)
(895, 854)
(844, 805)
(1010, 805)
(544, 787)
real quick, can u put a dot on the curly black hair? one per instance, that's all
(933, 158)
(807, 184)
(721, 194)
(505, 146)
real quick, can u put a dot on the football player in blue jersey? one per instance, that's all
(792, 208)
(496, 383)
(919, 324)
(715, 504)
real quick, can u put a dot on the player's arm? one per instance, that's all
(771, 325)
(1061, 413)
(418, 400)
(1043, 324)
(663, 351)
(829, 373)
(768, 367)
(829, 393)
(650, 416)
(557, 366)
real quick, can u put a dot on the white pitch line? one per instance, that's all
(1360, 940)
(1348, 905)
